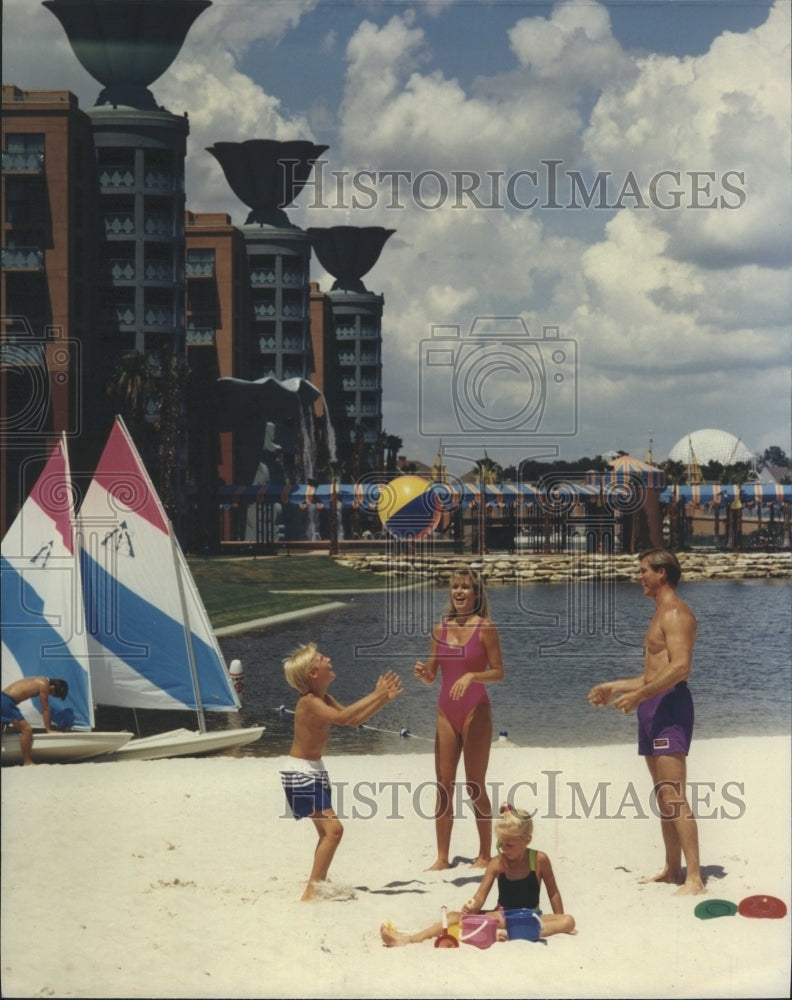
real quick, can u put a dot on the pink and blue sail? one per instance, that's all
(150, 640)
(43, 626)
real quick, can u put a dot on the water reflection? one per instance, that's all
(557, 641)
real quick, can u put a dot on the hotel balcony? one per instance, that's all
(125, 314)
(262, 276)
(199, 268)
(263, 310)
(22, 163)
(200, 336)
(122, 269)
(294, 277)
(119, 224)
(117, 178)
(158, 225)
(159, 317)
(23, 259)
(159, 270)
(162, 180)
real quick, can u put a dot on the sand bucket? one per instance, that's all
(480, 929)
(523, 924)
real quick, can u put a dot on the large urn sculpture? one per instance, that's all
(349, 252)
(266, 175)
(126, 44)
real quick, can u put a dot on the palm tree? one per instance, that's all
(128, 388)
(676, 474)
(488, 471)
(378, 450)
(173, 376)
(737, 474)
(393, 445)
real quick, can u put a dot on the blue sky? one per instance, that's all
(467, 38)
(663, 259)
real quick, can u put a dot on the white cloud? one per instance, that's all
(572, 47)
(224, 106)
(681, 315)
(237, 25)
(330, 41)
(721, 120)
(37, 53)
(661, 301)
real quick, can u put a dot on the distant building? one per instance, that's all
(51, 225)
(102, 261)
(699, 448)
(116, 297)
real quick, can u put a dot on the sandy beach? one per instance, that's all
(182, 878)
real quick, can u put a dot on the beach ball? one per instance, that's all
(408, 507)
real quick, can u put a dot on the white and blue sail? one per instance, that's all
(43, 628)
(150, 641)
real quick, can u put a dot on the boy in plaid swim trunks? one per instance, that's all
(305, 779)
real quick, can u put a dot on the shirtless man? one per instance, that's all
(665, 713)
(305, 779)
(21, 690)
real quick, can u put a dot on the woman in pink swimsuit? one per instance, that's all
(465, 648)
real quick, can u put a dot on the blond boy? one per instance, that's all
(305, 779)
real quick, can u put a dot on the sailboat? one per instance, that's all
(43, 625)
(150, 642)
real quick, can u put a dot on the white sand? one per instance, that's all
(181, 879)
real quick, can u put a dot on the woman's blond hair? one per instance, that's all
(481, 607)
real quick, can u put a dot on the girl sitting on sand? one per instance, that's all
(520, 873)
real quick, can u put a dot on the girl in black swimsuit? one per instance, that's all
(520, 872)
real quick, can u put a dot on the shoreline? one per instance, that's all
(423, 571)
(182, 877)
(562, 568)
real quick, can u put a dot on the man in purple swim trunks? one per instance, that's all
(665, 713)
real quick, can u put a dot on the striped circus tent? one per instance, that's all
(625, 469)
(496, 495)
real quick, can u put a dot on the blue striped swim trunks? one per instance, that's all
(307, 786)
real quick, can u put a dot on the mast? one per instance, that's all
(187, 632)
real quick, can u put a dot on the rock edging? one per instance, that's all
(509, 569)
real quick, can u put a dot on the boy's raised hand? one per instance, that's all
(390, 683)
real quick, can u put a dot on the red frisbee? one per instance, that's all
(762, 906)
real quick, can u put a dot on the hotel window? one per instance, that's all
(200, 263)
(24, 151)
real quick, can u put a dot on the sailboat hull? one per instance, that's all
(186, 743)
(62, 748)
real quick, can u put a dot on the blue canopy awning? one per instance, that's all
(722, 494)
(365, 495)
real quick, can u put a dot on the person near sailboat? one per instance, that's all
(305, 779)
(31, 687)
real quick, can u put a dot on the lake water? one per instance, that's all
(558, 641)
